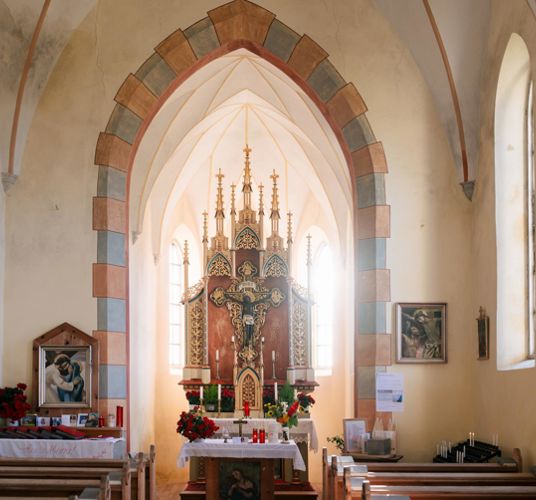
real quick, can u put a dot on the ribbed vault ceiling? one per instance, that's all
(205, 125)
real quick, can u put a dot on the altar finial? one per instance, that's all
(233, 208)
(261, 200)
(289, 228)
(186, 257)
(309, 259)
(220, 215)
(205, 227)
(246, 187)
(274, 214)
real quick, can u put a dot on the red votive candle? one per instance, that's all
(119, 416)
(255, 436)
(101, 421)
(262, 436)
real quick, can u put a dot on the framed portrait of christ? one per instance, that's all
(65, 370)
(421, 332)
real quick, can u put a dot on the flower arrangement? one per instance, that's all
(193, 397)
(13, 403)
(338, 441)
(227, 399)
(305, 400)
(192, 425)
(283, 413)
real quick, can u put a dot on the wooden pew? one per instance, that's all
(55, 487)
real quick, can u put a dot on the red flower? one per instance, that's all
(13, 402)
(192, 426)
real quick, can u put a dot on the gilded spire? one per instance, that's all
(233, 209)
(289, 228)
(219, 205)
(274, 214)
(186, 256)
(309, 256)
(261, 200)
(246, 188)
(205, 227)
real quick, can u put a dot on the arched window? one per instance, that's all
(322, 288)
(514, 207)
(176, 311)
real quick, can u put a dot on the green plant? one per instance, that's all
(210, 395)
(338, 441)
(286, 394)
(284, 414)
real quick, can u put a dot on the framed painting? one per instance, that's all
(421, 333)
(354, 428)
(483, 335)
(65, 371)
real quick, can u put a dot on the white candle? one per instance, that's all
(232, 339)
(217, 354)
(273, 355)
(219, 390)
(275, 390)
(201, 393)
(295, 394)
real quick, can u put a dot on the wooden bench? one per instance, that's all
(53, 487)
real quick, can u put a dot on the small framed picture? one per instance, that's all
(421, 333)
(29, 420)
(69, 420)
(43, 421)
(92, 419)
(483, 335)
(55, 421)
(82, 419)
(354, 429)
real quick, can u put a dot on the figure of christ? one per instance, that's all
(248, 302)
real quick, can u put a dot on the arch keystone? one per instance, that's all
(241, 19)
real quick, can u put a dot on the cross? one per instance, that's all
(274, 177)
(241, 421)
(247, 150)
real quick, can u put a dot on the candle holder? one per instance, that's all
(218, 369)
(219, 407)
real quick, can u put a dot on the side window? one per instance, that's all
(514, 207)
(176, 311)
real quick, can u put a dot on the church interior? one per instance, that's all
(252, 194)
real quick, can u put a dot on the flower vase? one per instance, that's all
(286, 434)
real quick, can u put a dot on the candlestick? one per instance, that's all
(201, 394)
(217, 354)
(275, 392)
(219, 392)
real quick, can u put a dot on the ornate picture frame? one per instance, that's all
(66, 368)
(421, 332)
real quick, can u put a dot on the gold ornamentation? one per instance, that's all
(219, 266)
(197, 337)
(247, 270)
(193, 291)
(275, 266)
(247, 238)
(299, 338)
(248, 391)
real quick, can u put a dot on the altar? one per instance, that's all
(235, 469)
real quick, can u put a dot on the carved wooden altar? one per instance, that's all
(247, 307)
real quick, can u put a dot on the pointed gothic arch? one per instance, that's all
(235, 25)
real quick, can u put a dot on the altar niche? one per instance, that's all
(248, 324)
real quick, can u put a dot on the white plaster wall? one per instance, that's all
(503, 399)
(144, 382)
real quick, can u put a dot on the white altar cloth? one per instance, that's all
(217, 448)
(56, 448)
(304, 431)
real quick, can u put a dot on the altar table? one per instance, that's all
(304, 432)
(63, 448)
(217, 448)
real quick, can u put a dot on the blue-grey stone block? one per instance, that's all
(358, 133)
(281, 40)
(326, 80)
(111, 248)
(156, 74)
(112, 183)
(112, 381)
(124, 124)
(202, 37)
(366, 381)
(112, 315)
(370, 190)
(371, 318)
(371, 254)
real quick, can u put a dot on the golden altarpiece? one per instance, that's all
(248, 323)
